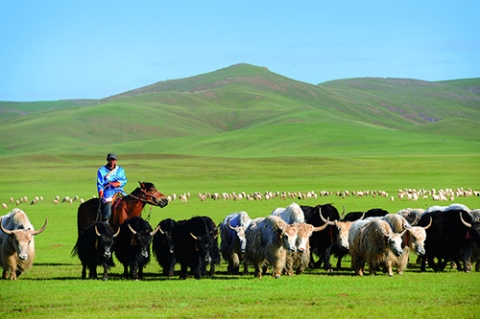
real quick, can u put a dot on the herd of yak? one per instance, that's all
(285, 242)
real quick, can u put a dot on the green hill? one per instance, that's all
(10, 110)
(472, 85)
(245, 110)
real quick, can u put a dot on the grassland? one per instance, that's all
(53, 286)
(241, 129)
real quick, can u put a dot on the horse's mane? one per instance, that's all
(136, 191)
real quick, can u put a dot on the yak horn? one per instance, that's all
(36, 232)
(132, 230)
(230, 226)
(431, 221)
(193, 236)
(96, 231)
(116, 234)
(417, 218)
(155, 230)
(6, 231)
(320, 228)
(326, 221)
(464, 222)
(160, 230)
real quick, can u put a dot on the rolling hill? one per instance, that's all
(246, 110)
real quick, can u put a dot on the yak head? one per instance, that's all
(416, 237)
(394, 243)
(304, 231)
(21, 239)
(142, 239)
(165, 234)
(104, 241)
(343, 229)
(203, 246)
(240, 233)
(288, 236)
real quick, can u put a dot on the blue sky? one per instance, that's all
(51, 50)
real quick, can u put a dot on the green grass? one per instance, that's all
(410, 295)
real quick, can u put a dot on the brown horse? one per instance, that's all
(126, 207)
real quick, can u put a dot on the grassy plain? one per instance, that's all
(53, 288)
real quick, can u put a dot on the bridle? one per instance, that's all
(153, 197)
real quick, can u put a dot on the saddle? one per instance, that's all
(116, 199)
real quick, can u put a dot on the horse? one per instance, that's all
(128, 206)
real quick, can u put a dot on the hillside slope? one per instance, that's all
(386, 101)
(234, 106)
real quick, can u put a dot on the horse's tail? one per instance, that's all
(88, 212)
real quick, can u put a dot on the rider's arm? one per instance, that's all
(100, 183)
(121, 178)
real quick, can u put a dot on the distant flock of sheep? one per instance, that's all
(409, 194)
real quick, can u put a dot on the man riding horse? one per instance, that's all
(110, 181)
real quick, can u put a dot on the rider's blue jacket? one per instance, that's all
(106, 175)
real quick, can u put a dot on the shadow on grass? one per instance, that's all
(219, 275)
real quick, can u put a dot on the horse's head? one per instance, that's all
(152, 195)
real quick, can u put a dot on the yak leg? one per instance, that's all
(325, 258)
(389, 267)
(245, 267)
(12, 262)
(312, 264)
(403, 260)
(105, 273)
(288, 270)
(442, 263)
(372, 268)
(183, 271)
(431, 263)
(277, 261)
(258, 269)
(197, 272)
(358, 264)
(467, 265)
(140, 272)
(277, 269)
(19, 270)
(423, 263)
(93, 271)
(212, 269)
(198, 267)
(170, 272)
(339, 262)
(84, 272)
(235, 263)
(134, 272)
